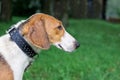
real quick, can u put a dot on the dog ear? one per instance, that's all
(37, 34)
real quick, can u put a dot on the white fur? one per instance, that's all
(16, 58)
(67, 42)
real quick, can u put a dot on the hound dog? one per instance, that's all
(24, 40)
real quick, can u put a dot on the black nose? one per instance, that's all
(77, 45)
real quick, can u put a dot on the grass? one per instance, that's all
(96, 59)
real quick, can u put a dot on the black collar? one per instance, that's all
(21, 42)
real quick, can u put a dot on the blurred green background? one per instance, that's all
(94, 23)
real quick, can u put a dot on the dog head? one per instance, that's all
(42, 30)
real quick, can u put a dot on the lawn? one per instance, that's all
(98, 58)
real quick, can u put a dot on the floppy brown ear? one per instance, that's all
(37, 35)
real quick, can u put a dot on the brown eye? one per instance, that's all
(60, 27)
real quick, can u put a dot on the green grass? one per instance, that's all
(98, 58)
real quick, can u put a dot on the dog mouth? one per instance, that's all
(67, 50)
(60, 47)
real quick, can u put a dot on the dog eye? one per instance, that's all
(60, 27)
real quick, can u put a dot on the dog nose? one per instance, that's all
(77, 45)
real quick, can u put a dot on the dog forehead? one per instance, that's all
(52, 22)
(49, 21)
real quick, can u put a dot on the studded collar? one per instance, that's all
(21, 42)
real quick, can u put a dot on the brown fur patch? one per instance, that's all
(5, 70)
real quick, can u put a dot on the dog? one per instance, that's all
(26, 38)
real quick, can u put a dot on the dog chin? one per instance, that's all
(64, 49)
